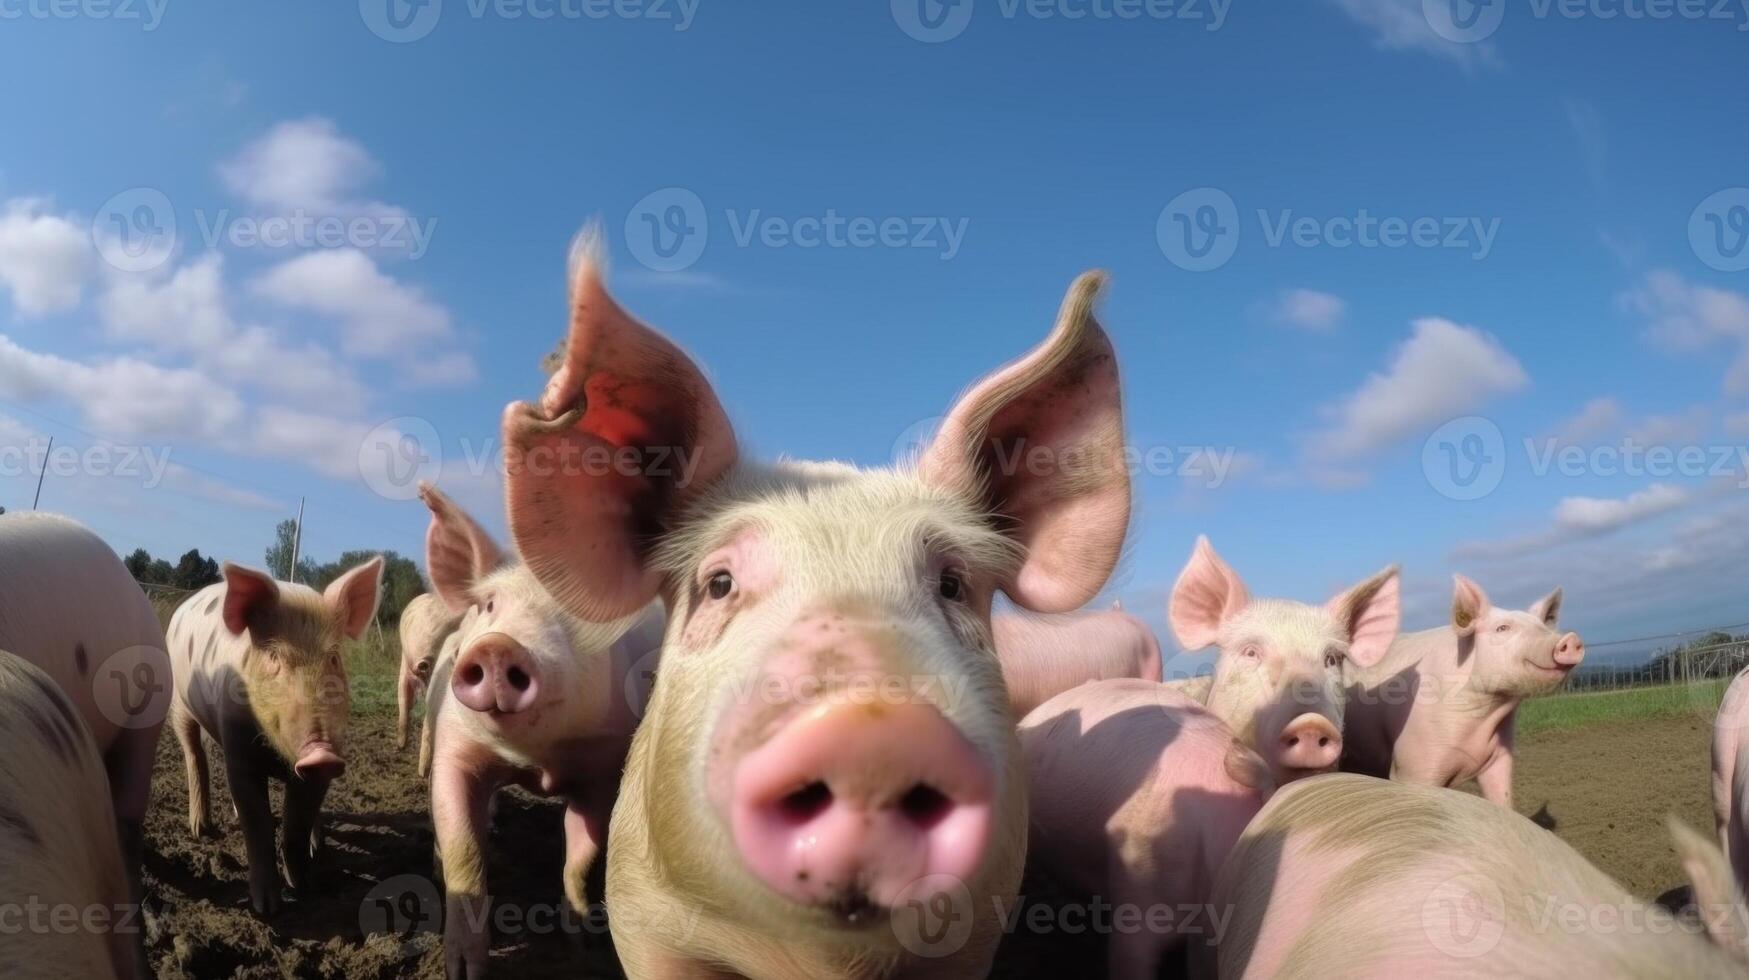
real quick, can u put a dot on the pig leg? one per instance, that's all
(129, 762)
(200, 813)
(255, 814)
(1134, 955)
(584, 832)
(1495, 779)
(460, 797)
(303, 804)
(404, 705)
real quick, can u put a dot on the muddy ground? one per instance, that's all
(1605, 789)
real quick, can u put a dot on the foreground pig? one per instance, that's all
(259, 668)
(1350, 876)
(1043, 656)
(425, 623)
(1138, 794)
(531, 697)
(58, 841)
(69, 606)
(1278, 681)
(1441, 706)
(829, 752)
(1731, 775)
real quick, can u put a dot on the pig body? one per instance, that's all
(1043, 656)
(1138, 794)
(258, 667)
(829, 751)
(69, 606)
(1351, 876)
(425, 623)
(1440, 708)
(58, 840)
(1731, 775)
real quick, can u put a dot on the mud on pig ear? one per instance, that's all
(1468, 604)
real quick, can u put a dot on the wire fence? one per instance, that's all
(1686, 657)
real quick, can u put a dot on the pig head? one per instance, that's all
(1512, 653)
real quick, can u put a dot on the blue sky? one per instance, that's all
(1558, 158)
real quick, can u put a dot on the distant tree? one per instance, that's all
(160, 573)
(279, 556)
(194, 572)
(401, 581)
(139, 564)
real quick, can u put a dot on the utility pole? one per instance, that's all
(42, 473)
(291, 575)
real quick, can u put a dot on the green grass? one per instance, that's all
(1564, 712)
(373, 667)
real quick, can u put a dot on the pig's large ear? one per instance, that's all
(1716, 891)
(1468, 604)
(1040, 444)
(1549, 609)
(247, 593)
(354, 596)
(1371, 612)
(1208, 594)
(627, 431)
(458, 551)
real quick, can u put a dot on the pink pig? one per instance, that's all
(1043, 656)
(1138, 793)
(1440, 708)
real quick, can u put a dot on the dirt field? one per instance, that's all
(1605, 787)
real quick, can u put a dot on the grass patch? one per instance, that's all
(1564, 712)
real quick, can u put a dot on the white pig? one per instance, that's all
(1440, 708)
(1731, 775)
(829, 750)
(1042, 656)
(425, 624)
(1278, 681)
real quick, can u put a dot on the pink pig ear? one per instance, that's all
(1040, 444)
(1208, 594)
(627, 431)
(1468, 604)
(1371, 612)
(247, 593)
(1548, 609)
(458, 551)
(354, 596)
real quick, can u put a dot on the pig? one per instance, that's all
(69, 606)
(829, 752)
(1350, 876)
(530, 696)
(1731, 775)
(425, 623)
(60, 850)
(1138, 793)
(259, 667)
(1043, 656)
(1440, 708)
(1279, 677)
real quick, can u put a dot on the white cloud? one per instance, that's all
(45, 259)
(1595, 515)
(1400, 25)
(379, 317)
(1444, 370)
(1675, 429)
(1587, 124)
(1598, 418)
(1308, 309)
(304, 164)
(1684, 317)
(124, 398)
(328, 445)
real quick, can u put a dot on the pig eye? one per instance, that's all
(1251, 653)
(720, 585)
(953, 587)
(1503, 627)
(490, 603)
(1332, 658)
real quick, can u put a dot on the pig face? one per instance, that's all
(1278, 681)
(828, 734)
(293, 669)
(1515, 653)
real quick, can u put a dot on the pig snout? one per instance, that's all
(319, 761)
(1569, 650)
(1309, 743)
(495, 675)
(847, 805)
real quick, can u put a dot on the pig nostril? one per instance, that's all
(1323, 741)
(473, 674)
(924, 806)
(518, 679)
(806, 803)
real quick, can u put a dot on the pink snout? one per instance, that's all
(495, 675)
(1569, 650)
(1309, 743)
(319, 761)
(848, 805)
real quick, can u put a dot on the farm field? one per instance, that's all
(1601, 769)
